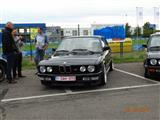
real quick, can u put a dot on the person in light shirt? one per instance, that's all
(41, 44)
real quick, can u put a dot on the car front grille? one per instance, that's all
(70, 69)
(65, 69)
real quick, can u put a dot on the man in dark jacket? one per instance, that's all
(9, 50)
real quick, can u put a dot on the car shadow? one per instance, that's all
(155, 78)
(76, 88)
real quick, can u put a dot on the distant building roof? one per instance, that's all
(27, 25)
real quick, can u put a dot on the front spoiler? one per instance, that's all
(79, 79)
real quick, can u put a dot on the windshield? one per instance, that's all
(89, 44)
(154, 43)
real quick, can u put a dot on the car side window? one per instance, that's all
(153, 41)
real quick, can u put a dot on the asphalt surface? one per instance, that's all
(120, 102)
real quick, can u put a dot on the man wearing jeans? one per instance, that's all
(9, 50)
(41, 42)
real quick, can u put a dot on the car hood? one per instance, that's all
(153, 54)
(73, 60)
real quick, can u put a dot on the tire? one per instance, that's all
(2, 73)
(111, 66)
(146, 74)
(104, 77)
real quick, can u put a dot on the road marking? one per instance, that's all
(135, 75)
(68, 90)
(75, 93)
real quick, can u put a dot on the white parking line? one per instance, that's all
(135, 75)
(75, 93)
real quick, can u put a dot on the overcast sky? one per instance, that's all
(72, 12)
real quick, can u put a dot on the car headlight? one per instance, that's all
(42, 69)
(159, 62)
(91, 68)
(52, 56)
(49, 69)
(82, 68)
(153, 61)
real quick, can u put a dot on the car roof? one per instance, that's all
(156, 34)
(94, 36)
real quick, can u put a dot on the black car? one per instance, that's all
(152, 61)
(3, 64)
(77, 61)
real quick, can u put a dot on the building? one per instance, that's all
(99, 26)
(74, 31)
(132, 29)
(54, 33)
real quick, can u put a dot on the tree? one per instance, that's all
(137, 32)
(148, 29)
(128, 30)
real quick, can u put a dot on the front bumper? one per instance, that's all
(153, 70)
(81, 79)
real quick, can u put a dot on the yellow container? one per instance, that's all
(127, 46)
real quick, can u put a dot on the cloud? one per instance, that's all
(73, 11)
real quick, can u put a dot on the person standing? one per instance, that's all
(41, 42)
(18, 62)
(9, 50)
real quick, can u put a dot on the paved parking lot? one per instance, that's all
(127, 92)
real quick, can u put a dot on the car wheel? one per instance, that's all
(104, 77)
(111, 66)
(2, 73)
(146, 74)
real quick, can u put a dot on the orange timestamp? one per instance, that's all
(137, 109)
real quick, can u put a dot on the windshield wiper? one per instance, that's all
(62, 51)
(82, 50)
(155, 47)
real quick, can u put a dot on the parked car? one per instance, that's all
(3, 64)
(77, 61)
(152, 60)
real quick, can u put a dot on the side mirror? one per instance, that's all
(144, 45)
(106, 48)
(53, 50)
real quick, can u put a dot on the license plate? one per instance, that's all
(65, 78)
